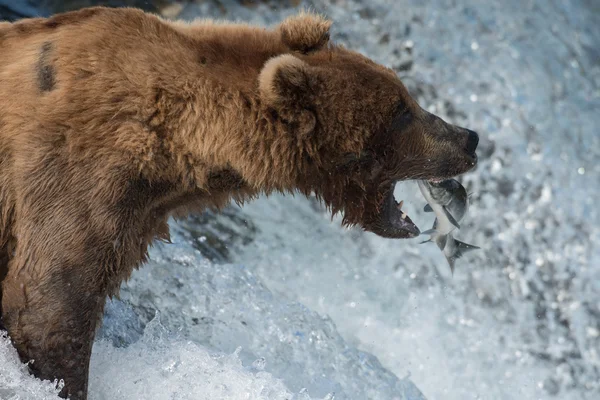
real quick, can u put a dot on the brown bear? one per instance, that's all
(113, 120)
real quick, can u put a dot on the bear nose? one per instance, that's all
(472, 141)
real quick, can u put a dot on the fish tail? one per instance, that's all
(459, 250)
(462, 248)
(451, 260)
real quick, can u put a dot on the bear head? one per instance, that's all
(356, 129)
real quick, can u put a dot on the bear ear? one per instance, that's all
(282, 78)
(284, 85)
(305, 32)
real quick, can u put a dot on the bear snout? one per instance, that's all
(472, 142)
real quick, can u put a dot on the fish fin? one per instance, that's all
(450, 218)
(451, 263)
(428, 232)
(441, 241)
(451, 259)
(462, 248)
(427, 208)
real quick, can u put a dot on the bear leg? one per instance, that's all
(3, 272)
(51, 320)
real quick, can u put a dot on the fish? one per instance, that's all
(449, 201)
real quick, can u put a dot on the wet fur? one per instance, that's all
(113, 120)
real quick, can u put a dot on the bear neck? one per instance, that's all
(211, 108)
(233, 131)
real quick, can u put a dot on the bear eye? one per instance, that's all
(402, 118)
(349, 159)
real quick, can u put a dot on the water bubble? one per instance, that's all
(593, 332)
(518, 354)
(539, 261)
(302, 395)
(259, 364)
(496, 165)
(530, 224)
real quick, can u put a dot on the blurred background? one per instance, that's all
(275, 301)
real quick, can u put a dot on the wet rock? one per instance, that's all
(551, 386)
(404, 66)
(68, 5)
(506, 187)
(367, 13)
(12, 10)
(255, 3)
(214, 234)
(121, 324)
(385, 38)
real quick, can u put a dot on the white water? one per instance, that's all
(520, 319)
(156, 367)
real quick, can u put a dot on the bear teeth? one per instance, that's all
(399, 206)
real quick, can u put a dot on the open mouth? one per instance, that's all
(395, 222)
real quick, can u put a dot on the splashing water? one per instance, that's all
(520, 319)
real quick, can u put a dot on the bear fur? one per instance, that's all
(113, 120)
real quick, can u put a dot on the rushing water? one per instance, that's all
(519, 319)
